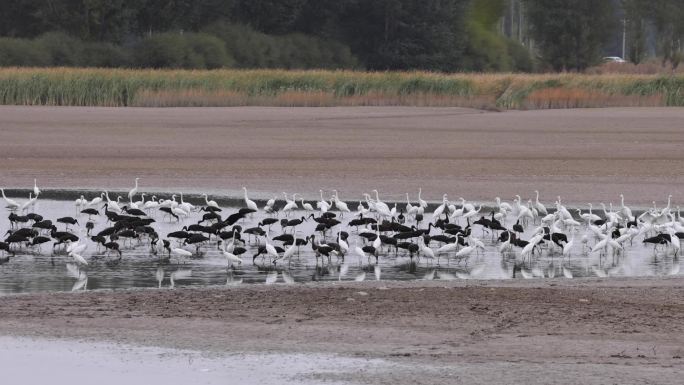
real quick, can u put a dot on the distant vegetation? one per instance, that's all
(165, 88)
(224, 47)
(378, 35)
(418, 52)
(436, 35)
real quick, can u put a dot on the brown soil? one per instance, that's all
(576, 331)
(583, 155)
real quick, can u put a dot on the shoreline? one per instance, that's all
(584, 330)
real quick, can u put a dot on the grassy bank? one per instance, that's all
(167, 88)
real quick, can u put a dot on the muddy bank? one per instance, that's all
(583, 155)
(587, 331)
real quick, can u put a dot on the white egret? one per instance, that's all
(248, 202)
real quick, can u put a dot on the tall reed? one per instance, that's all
(167, 88)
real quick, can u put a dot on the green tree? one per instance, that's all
(570, 33)
(668, 19)
(104, 20)
(635, 26)
(17, 18)
(253, 49)
(62, 49)
(189, 50)
(154, 16)
(22, 52)
(405, 34)
(269, 16)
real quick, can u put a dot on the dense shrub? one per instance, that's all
(22, 52)
(175, 50)
(486, 48)
(208, 51)
(166, 50)
(105, 55)
(62, 49)
(252, 49)
(521, 60)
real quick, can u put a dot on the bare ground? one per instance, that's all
(583, 155)
(585, 331)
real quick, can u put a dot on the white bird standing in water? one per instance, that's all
(133, 191)
(425, 250)
(151, 204)
(230, 257)
(380, 206)
(306, 206)
(410, 209)
(80, 276)
(440, 209)
(113, 205)
(210, 203)
(81, 202)
(421, 202)
(30, 202)
(466, 251)
(271, 250)
(11, 203)
(291, 204)
(97, 200)
(139, 204)
(625, 211)
(248, 202)
(342, 206)
(270, 204)
(359, 253)
(78, 258)
(186, 206)
(541, 209)
(322, 204)
(361, 209)
(567, 248)
(181, 252)
(36, 190)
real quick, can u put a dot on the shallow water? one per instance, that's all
(65, 361)
(42, 270)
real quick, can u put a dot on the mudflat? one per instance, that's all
(588, 331)
(582, 331)
(584, 155)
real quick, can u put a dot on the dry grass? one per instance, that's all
(166, 88)
(650, 67)
(227, 98)
(548, 98)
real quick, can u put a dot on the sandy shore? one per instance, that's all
(583, 155)
(587, 331)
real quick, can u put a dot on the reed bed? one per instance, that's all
(181, 88)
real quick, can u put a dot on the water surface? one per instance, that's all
(40, 270)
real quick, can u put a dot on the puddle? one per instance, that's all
(36, 361)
